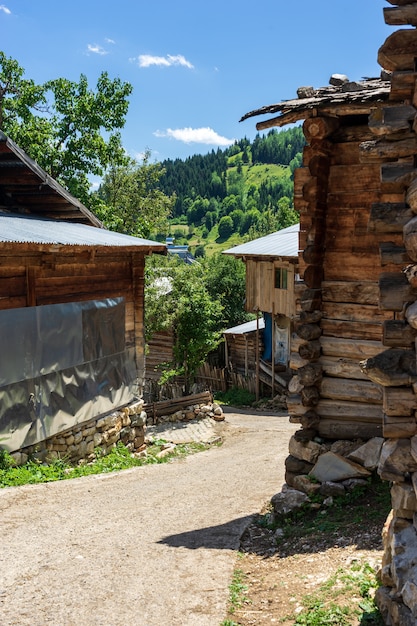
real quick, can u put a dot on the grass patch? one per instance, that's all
(332, 603)
(119, 458)
(235, 397)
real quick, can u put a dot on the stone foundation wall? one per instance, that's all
(128, 425)
(80, 442)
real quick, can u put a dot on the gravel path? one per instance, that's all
(152, 546)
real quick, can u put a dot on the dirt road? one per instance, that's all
(144, 547)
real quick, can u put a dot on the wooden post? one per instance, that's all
(273, 351)
(257, 354)
(246, 356)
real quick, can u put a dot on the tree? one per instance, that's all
(176, 297)
(72, 131)
(225, 227)
(226, 283)
(132, 203)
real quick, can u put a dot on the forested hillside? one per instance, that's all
(244, 191)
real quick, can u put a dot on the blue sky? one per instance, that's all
(196, 67)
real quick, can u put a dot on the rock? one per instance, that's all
(393, 613)
(218, 417)
(333, 467)
(332, 489)
(337, 80)
(345, 447)
(369, 454)
(403, 497)
(297, 466)
(351, 483)
(305, 450)
(138, 419)
(287, 501)
(396, 460)
(304, 483)
(305, 92)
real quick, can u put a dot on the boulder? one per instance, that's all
(368, 455)
(287, 501)
(331, 467)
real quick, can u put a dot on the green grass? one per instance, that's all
(119, 458)
(235, 397)
(332, 603)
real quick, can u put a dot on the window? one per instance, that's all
(281, 278)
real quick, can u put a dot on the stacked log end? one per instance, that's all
(394, 369)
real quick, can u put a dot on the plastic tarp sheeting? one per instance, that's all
(62, 365)
(281, 339)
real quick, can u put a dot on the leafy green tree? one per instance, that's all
(71, 130)
(132, 201)
(226, 283)
(176, 297)
(225, 227)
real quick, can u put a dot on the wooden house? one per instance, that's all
(71, 308)
(271, 276)
(354, 355)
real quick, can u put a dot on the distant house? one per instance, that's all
(181, 251)
(271, 273)
(71, 307)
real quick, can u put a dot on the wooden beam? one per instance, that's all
(398, 334)
(399, 50)
(402, 15)
(395, 291)
(389, 217)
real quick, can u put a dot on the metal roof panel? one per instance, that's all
(283, 243)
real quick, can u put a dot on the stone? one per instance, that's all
(351, 483)
(393, 613)
(403, 497)
(303, 483)
(176, 417)
(305, 92)
(287, 501)
(98, 438)
(404, 557)
(305, 450)
(189, 415)
(409, 595)
(331, 489)
(69, 440)
(136, 407)
(78, 437)
(218, 417)
(333, 467)
(166, 451)
(297, 466)
(369, 454)
(345, 447)
(337, 80)
(138, 419)
(396, 460)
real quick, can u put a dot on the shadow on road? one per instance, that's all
(221, 537)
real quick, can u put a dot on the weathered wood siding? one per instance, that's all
(261, 294)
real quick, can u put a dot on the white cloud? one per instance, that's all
(107, 40)
(146, 60)
(5, 9)
(196, 135)
(96, 49)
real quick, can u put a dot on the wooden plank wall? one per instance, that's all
(35, 279)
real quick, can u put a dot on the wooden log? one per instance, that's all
(310, 374)
(398, 334)
(351, 390)
(352, 330)
(310, 351)
(310, 300)
(354, 411)
(378, 150)
(351, 349)
(401, 3)
(310, 396)
(399, 50)
(410, 238)
(340, 429)
(400, 16)
(296, 361)
(402, 85)
(400, 401)
(313, 254)
(295, 406)
(353, 312)
(396, 427)
(350, 291)
(395, 291)
(389, 217)
(310, 317)
(310, 419)
(391, 253)
(394, 367)
(411, 195)
(390, 120)
(313, 276)
(319, 127)
(308, 332)
(397, 176)
(341, 367)
(319, 166)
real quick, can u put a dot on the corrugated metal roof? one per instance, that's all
(247, 327)
(283, 243)
(28, 229)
